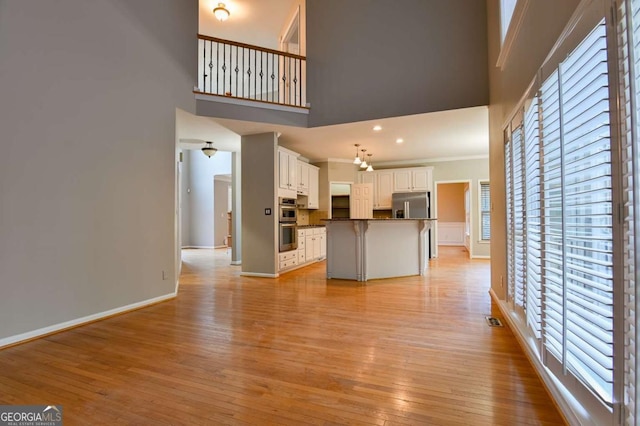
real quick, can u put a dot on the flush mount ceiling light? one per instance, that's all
(364, 164)
(377, 128)
(370, 167)
(357, 160)
(399, 140)
(221, 12)
(208, 149)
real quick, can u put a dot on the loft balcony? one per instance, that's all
(251, 76)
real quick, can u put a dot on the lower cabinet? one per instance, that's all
(288, 259)
(312, 247)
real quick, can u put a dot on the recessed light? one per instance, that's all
(399, 140)
(377, 128)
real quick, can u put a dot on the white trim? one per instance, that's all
(236, 262)
(570, 409)
(258, 274)
(249, 103)
(512, 33)
(201, 247)
(30, 335)
(415, 162)
(477, 256)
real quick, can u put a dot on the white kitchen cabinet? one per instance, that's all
(310, 197)
(303, 178)
(383, 189)
(412, 179)
(315, 244)
(313, 199)
(288, 259)
(302, 255)
(287, 173)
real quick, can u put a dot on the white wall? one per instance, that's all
(87, 183)
(221, 207)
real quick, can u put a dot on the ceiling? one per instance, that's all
(454, 134)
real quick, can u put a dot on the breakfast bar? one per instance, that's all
(365, 249)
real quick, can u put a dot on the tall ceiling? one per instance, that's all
(462, 133)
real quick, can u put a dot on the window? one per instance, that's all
(506, 13)
(485, 212)
(560, 264)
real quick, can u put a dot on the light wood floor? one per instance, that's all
(295, 350)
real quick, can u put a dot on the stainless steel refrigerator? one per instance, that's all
(413, 205)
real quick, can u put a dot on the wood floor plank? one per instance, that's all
(296, 350)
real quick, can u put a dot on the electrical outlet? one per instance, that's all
(501, 281)
(164, 275)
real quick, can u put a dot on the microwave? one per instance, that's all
(287, 210)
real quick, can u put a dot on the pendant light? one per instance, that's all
(370, 167)
(208, 149)
(357, 160)
(363, 165)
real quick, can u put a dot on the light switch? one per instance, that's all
(267, 211)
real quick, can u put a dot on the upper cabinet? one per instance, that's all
(413, 179)
(308, 185)
(287, 173)
(386, 182)
(303, 178)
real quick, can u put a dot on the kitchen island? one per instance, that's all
(365, 249)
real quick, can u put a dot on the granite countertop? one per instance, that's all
(380, 219)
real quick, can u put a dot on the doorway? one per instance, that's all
(452, 207)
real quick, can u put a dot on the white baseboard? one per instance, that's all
(236, 262)
(30, 335)
(475, 256)
(258, 274)
(200, 247)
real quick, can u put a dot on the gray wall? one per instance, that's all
(540, 28)
(369, 59)
(259, 160)
(199, 197)
(87, 171)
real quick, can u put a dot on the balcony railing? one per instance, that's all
(243, 71)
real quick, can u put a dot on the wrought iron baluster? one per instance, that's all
(230, 68)
(224, 67)
(210, 67)
(237, 93)
(204, 66)
(299, 102)
(218, 68)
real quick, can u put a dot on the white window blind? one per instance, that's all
(560, 217)
(629, 57)
(588, 214)
(533, 216)
(485, 211)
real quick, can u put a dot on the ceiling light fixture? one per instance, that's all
(370, 167)
(208, 149)
(399, 140)
(377, 128)
(357, 160)
(221, 12)
(364, 164)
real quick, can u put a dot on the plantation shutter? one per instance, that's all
(485, 208)
(509, 218)
(552, 257)
(629, 54)
(534, 224)
(519, 216)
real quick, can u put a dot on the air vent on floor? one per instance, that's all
(493, 322)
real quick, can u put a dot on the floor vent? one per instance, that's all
(493, 322)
